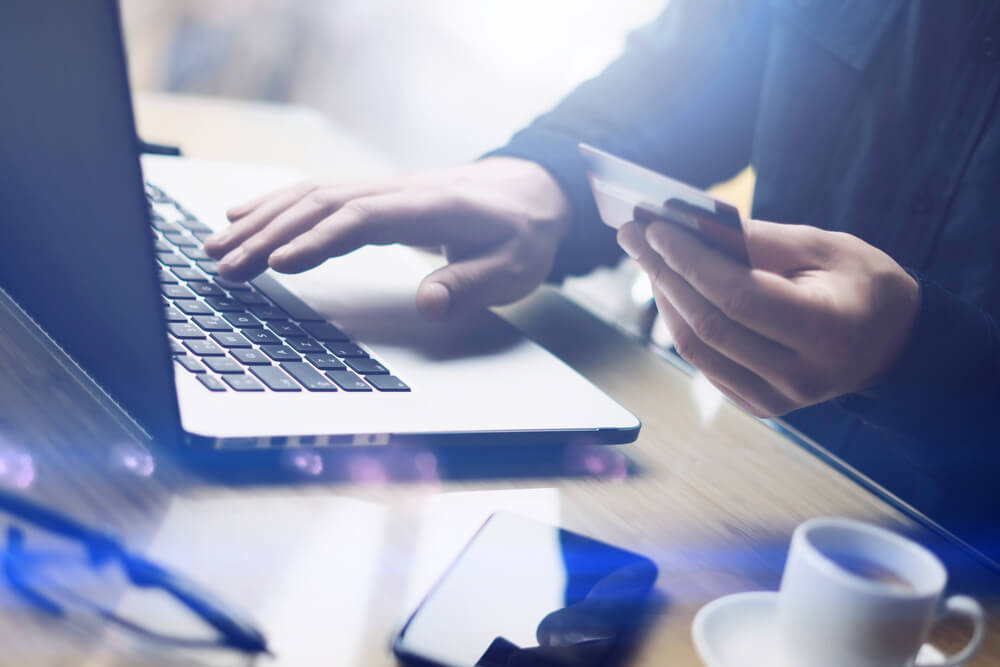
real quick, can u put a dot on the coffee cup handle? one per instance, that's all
(963, 605)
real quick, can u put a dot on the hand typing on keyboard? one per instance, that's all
(231, 334)
(499, 221)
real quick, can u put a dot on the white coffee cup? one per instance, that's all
(853, 594)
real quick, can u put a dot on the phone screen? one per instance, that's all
(524, 593)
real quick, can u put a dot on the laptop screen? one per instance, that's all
(76, 247)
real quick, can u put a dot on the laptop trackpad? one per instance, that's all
(371, 295)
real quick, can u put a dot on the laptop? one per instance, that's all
(105, 256)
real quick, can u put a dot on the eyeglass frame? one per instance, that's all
(236, 632)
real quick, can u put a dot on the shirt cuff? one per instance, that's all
(589, 243)
(950, 355)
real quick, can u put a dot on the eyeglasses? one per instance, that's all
(23, 569)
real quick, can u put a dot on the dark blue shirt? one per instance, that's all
(873, 117)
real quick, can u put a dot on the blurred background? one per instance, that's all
(423, 83)
(430, 82)
(426, 83)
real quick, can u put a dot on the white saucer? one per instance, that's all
(740, 631)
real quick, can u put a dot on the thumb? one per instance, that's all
(783, 248)
(467, 285)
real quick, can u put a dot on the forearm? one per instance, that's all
(681, 99)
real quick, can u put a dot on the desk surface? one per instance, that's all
(331, 566)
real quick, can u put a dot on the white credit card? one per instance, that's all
(624, 191)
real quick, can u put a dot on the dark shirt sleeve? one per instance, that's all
(944, 389)
(681, 99)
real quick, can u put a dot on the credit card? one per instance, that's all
(624, 191)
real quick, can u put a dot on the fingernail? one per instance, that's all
(625, 242)
(234, 258)
(626, 245)
(654, 243)
(436, 300)
(220, 237)
(282, 253)
(654, 240)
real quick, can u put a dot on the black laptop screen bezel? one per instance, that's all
(77, 250)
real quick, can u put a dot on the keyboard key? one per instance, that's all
(348, 381)
(292, 304)
(286, 329)
(165, 226)
(204, 348)
(177, 292)
(181, 240)
(305, 345)
(207, 289)
(171, 259)
(190, 363)
(326, 362)
(167, 278)
(194, 225)
(212, 323)
(280, 353)
(201, 236)
(155, 194)
(188, 274)
(366, 366)
(307, 376)
(227, 284)
(251, 298)
(387, 383)
(261, 337)
(243, 382)
(166, 210)
(196, 254)
(251, 357)
(162, 246)
(210, 267)
(176, 347)
(231, 339)
(193, 307)
(275, 378)
(243, 320)
(184, 330)
(346, 350)
(324, 331)
(174, 315)
(225, 304)
(212, 383)
(223, 365)
(269, 313)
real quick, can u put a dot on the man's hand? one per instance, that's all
(499, 222)
(818, 315)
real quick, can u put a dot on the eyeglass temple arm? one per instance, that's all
(13, 551)
(237, 631)
(100, 546)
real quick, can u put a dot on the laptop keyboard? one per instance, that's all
(237, 336)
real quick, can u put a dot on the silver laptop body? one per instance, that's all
(78, 257)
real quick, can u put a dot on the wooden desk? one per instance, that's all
(331, 565)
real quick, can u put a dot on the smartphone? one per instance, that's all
(527, 594)
(624, 191)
